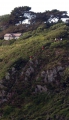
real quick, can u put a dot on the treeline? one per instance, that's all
(8, 23)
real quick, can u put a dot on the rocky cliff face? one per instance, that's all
(30, 73)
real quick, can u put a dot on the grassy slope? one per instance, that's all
(23, 48)
(47, 106)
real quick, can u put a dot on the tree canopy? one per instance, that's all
(18, 14)
(49, 16)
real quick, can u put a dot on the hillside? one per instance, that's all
(34, 75)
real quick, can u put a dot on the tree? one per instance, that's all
(48, 16)
(40, 17)
(56, 14)
(18, 14)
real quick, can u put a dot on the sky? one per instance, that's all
(6, 6)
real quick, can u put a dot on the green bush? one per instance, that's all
(8, 109)
(66, 75)
(60, 44)
(56, 44)
(57, 25)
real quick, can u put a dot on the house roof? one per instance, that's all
(12, 34)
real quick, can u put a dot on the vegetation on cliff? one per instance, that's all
(28, 95)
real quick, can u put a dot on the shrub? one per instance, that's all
(8, 110)
(66, 74)
(60, 44)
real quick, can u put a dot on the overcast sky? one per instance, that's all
(6, 6)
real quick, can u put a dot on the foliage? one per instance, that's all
(18, 14)
(60, 44)
(65, 78)
(8, 110)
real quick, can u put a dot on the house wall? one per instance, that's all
(6, 38)
(10, 38)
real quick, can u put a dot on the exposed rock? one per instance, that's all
(61, 73)
(3, 100)
(59, 68)
(2, 96)
(7, 76)
(43, 74)
(29, 71)
(13, 69)
(44, 89)
(31, 62)
(26, 78)
(36, 90)
(40, 88)
(36, 62)
(50, 75)
(54, 72)
(46, 78)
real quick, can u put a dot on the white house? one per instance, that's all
(10, 36)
